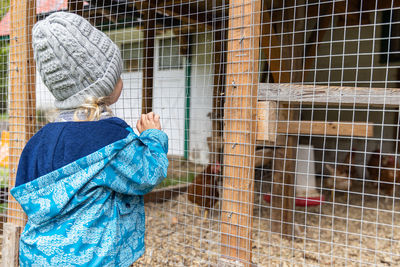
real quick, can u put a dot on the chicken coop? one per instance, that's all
(282, 117)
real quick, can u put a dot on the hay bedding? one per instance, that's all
(329, 235)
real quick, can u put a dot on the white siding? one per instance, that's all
(168, 100)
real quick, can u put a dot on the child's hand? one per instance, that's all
(148, 121)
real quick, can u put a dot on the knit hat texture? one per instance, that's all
(74, 59)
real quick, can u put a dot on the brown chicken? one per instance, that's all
(383, 169)
(340, 177)
(203, 191)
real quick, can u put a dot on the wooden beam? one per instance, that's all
(277, 49)
(267, 115)
(22, 110)
(268, 126)
(10, 250)
(181, 10)
(239, 130)
(216, 116)
(292, 41)
(282, 190)
(322, 94)
(22, 92)
(148, 60)
(219, 60)
(359, 129)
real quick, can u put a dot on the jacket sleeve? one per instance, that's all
(142, 165)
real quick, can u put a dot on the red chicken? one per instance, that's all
(383, 169)
(340, 176)
(203, 191)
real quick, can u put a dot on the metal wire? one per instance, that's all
(299, 77)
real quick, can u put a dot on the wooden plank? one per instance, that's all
(268, 125)
(322, 94)
(322, 128)
(359, 129)
(10, 250)
(282, 190)
(181, 10)
(266, 121)
(216, 116)
(219, 60)
(277, 49)
(148, 60)
(239, 130)
(22, 112)
(292, 41)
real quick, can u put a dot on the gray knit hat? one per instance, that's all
(74, 59)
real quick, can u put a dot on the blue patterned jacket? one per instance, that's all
(91, 211)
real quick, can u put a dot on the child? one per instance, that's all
(81, 179)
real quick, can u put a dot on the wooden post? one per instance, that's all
(267, 121)
(282, 190)
(239, 130)
(293, 42)
(22, 114)
(11, 235)
(284, 53)
(216, 116)
(148, 60)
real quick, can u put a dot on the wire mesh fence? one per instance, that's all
(282, 118)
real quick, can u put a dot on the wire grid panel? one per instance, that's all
(305, 92)
(4, 165)
(19, 75)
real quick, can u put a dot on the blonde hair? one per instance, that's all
(92, 109)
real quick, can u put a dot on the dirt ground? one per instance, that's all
(362, 233)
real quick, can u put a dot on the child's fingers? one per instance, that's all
(144, 119)
(157, 122)
(150, 116)
(149, 121)
(145, 122)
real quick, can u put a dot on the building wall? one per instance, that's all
(201, 97)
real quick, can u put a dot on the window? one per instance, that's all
(132, 55)
(170, 57)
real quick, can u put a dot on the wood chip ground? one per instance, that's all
(361, 232)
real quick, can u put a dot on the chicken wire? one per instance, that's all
(311, 88)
